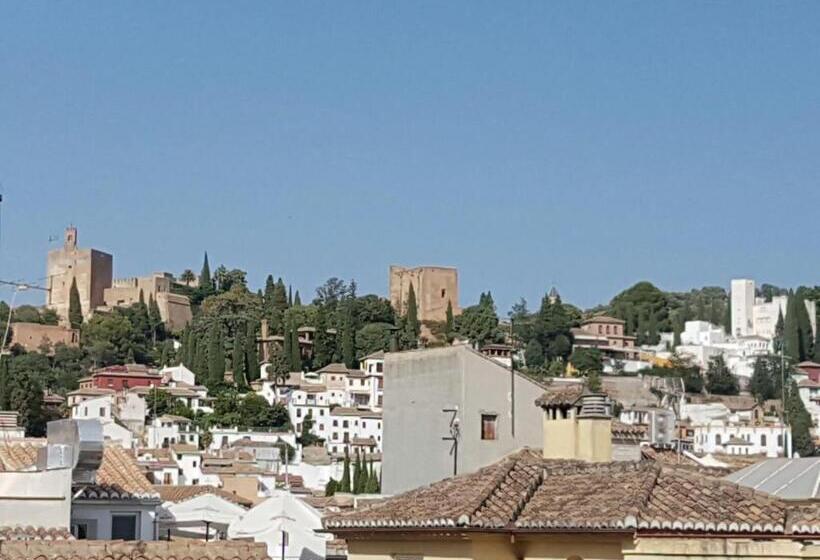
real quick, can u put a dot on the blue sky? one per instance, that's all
(588, 145)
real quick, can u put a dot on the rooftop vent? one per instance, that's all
(74, 444)
(595, 405)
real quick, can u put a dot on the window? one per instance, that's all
(124, 526)
(344, 424)
(379, 367)
(102, 412)
(298, 413)
(488, 426)
(193, 463)
(780, 441)
(443, 293)
(166, 478)
(322, 412)
(80, 530)
(195, 481)
(717, 439)
(335, 423)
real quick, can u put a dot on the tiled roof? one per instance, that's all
(119, 550)
(525, 492)
(180, 448)
(561, 394)
(362, 412)
(336, 368)
(603, 319)
(19, 455)
(179, 494)
(118, 478)
(628, 432)
(29, 533)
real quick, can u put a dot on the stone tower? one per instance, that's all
(91, 269)
(434, 286)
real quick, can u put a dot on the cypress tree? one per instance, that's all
(791, 330)
(75, 310)
(201, 360)
(357, 474)
(5, 385)
(287, 341)
(216, 357)
(251, 354)
(205, 275)
(297, 301)
(411, 326)
(279, 304)
(344, 485)
(290, 295)
(804, 326)
(348, 337)
(331, 487)
(322, 342)
(779, 331)
(154, 317)
(450, 323)
(295, 349)
(268, 296)
(165, 356)
(816, 356)
(240, 372)
(727, 318)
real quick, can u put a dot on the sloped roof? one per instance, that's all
(31, 533)
(789, 479)
(120, 550)
(19, 455)
(118, 478)
(526, 492)
(603, 319)
(179, 494)
(563, 394)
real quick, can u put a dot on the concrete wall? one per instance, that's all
(98, 517)
(419, 384)
(38, 498)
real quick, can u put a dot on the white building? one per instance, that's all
(354, 429)
(168, 429)
(102, 408)
(179, 374)
(223, 438)
(702, 333)
(284, 523)
(742, 301)
(189, 460)
(721, 436)
(810, 395)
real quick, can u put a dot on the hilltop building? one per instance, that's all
(175, 309)
(92, 269)
(754, 316)
(607, 335)
(434, 287)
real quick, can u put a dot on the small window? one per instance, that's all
(763, 440)
(379, 367)
(102, 412)
(717, 439)
(443, 293)
(124, 527)
(489, 424)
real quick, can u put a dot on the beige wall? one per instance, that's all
(434, 287)
(91, 268)
(573, 546)
(32, 335)
(175, 309)
(586, 439)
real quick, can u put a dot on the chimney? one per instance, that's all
(577, 424)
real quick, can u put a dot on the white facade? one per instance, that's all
(37, 498)
(187, 519)
(98, 517)
(349, 428)
(719, 436)
(167, 430)
(97, 407)
(766, 314)
(742, 301)
(810, 395)
(180, 374)
(223, 438)
(702, 333)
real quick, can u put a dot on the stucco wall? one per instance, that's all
(420, 384)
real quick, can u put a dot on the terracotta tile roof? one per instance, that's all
(179, 494)
(180, 448)
(119, 550)
(622, 432)
(362, 412)
(118, 478)
(29, 533)
(19, 455)
(603, 319)
(561, 394)
(525, 492)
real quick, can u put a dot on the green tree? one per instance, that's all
(306, 435)
(373, 337)
(779, 332)
(804, 326)
(240, 370)
(816, 355)
(344, 485)
(297, 301)
(449, 322)
(216, 357)
(412, 328)
(75, 311)
(761, 384)
(332, 485)
(295, 349)
(155, 320)
(205, 281)
(5, 384)
(479, 323)
(348, 336)
(589, 362)
(534, 354)
(278, 306)
(800, 422)
(201, 361)
(251, 352)
(187, 277)
(719, 380)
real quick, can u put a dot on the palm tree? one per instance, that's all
(187, 277)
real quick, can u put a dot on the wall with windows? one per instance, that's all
(130, 520)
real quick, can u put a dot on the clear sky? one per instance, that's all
(588, 145)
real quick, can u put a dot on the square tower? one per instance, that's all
(743, 302)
